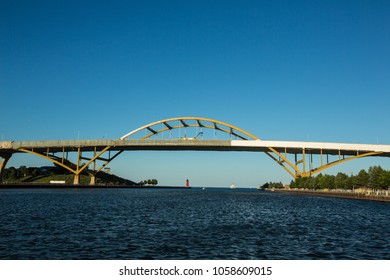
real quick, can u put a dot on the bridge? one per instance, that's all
(299, 159)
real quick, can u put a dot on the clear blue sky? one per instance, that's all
(282, 70)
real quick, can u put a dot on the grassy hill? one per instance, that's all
(44, 175)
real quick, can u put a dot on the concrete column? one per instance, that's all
(76, 179)
(93, 180)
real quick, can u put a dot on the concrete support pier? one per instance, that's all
(76, 179)
(93, 180)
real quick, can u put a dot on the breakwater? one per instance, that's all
(340, 193)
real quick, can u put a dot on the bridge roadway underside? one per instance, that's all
(289, 147)
(300, 166)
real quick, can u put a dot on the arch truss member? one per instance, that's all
(78, 157)
(3, 162)
(187, 128)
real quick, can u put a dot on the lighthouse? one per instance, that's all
(187, 183)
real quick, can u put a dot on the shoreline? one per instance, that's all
(349, 195)
(81, 186)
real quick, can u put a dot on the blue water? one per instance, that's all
(188, 224)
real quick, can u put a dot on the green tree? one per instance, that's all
(341, 180)
(329, 182)
(319, 184)
(23, 171)
(5, 174)
(12, 174)
(265, 186)
(312, 183)
(349, 182)
(361, 180)
(300, 182)
(278, 185)
(385, 179)
(141, 183)
(374, 177)
(154, 182)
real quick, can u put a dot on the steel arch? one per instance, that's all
(280, 159)
(168, 124)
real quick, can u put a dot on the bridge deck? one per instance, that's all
(288, 147)
(293, 147)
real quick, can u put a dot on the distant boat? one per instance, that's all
(232, 186)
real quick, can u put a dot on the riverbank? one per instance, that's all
(339, 193)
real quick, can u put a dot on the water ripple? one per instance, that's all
(188, 224)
